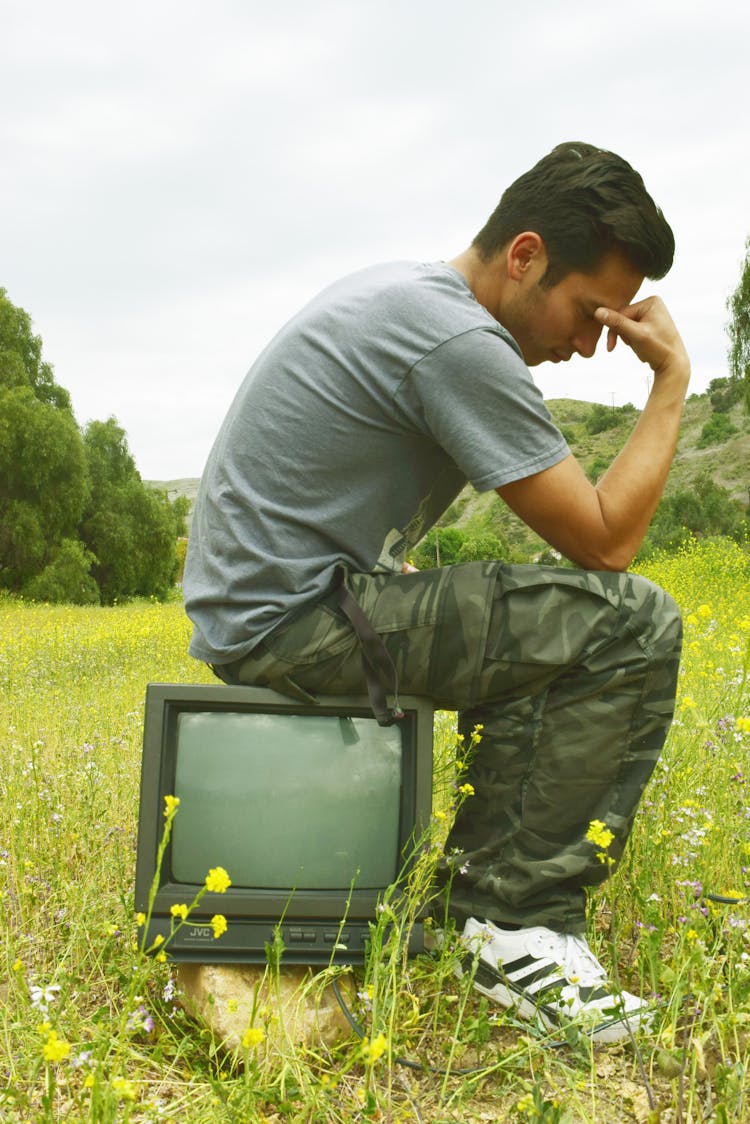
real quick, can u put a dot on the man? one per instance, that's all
(354, 430)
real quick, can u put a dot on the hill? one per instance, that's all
(727, 462)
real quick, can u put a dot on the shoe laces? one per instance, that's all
(575, 957)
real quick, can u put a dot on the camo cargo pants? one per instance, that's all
(572, 675)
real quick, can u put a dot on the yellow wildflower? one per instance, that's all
(253, 1037)
(218, 924)
(371, 1051)
(55, 1049)
(179, 911)
(124, 1088)
(599, 834)
(217, 880)
(171, 803)
(466, 789)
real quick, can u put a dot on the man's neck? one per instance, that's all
(484, 278)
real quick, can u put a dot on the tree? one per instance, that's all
(718, 429)
(129, 528)
(602, 417)
(43, 480)
(739, 329)
(439, 547)
(66, 578)
(706, 509)
(482, 547)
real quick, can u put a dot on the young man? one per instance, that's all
(354, 430)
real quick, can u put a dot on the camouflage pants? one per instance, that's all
(572, 675)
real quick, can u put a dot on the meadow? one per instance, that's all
(93, 1030)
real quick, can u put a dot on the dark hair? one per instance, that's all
(583, 202)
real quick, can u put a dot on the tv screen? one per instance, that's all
(313, 810)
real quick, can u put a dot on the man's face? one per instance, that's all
(553, 324)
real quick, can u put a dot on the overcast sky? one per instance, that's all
(176, 179)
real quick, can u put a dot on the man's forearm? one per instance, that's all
(630, 490)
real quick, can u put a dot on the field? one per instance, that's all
(92, 1030)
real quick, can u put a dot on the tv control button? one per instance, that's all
(295, 935)
(310, 936)
(333, 936)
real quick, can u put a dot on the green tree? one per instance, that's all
(43, 480)
(129, 528)
(482, 547)
(704, 510)
(439, 547)
(718, 429)
(602, 417)
(66, 578)
(739, 329)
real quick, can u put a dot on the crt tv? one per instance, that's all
(313, 809)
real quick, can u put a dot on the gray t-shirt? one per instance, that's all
(353, 431)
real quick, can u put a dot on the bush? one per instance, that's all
(67, 578)
(717, 429)
(445, 546)
(484, 547)
(705, 510)
(607, 417)
(724, 393)
(597, 468)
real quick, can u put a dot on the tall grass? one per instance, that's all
(93, 1031)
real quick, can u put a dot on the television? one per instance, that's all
(313, 809)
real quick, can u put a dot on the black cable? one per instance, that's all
(462, 1071)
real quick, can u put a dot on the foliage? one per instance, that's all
(42, 467)
(58, 487)
(724, 393)
(482, 547)
(66, 578)
(93, 1033)
(444, 546)
(704, 510)
(607, 417)
(597, 468)
(718, 428)
(739, 329)
(129, 528)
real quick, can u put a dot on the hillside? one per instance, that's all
(727, 463)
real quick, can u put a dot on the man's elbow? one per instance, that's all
(615, 557)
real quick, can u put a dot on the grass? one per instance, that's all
(93, 1031)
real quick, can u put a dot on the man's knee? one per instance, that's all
(654, 617)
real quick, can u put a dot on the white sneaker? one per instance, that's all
(553, 976)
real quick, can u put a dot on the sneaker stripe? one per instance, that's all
(516, 965)
(589, 993)
(526, 982)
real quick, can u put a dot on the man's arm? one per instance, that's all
(600, 527)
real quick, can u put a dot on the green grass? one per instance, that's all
(92, 1030)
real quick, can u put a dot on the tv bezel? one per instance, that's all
(311, 913)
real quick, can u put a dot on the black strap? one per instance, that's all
(376, 660)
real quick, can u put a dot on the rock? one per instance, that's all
(296, 1006)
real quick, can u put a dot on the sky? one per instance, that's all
(177, 179)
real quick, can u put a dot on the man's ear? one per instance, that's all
(525, 254)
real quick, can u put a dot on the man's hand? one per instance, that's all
(601, 527)
(649, 330)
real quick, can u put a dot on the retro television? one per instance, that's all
(313, 809)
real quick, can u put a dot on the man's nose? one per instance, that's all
(587, 338)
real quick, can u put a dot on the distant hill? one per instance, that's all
(727, 462)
